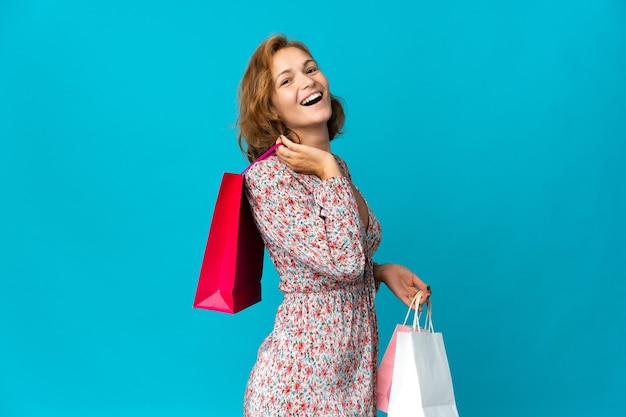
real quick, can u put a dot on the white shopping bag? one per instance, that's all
(421, 383)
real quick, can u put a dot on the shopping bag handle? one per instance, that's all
(428, 323)
(265, 155)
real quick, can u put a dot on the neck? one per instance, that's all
(315, 137)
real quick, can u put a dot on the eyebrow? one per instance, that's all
(288, 70)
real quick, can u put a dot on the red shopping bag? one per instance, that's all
(230, 276)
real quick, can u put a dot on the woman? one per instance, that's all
(320, 359)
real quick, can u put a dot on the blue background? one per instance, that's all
(488, 136)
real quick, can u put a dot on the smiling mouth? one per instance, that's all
(312, 99)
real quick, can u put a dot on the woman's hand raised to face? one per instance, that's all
(305, 159)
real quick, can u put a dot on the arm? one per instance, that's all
(321, 231)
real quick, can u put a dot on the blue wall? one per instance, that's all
(489, 138)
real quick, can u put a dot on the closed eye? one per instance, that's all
(285, 81)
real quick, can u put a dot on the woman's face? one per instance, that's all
(300, 96)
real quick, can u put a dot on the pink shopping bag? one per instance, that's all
(385, 370)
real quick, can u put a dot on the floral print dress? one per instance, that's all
(320, 358)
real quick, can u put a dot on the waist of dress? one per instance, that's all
(335, 295)
(331, 312)
(315, 288)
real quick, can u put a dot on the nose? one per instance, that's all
(307, 82)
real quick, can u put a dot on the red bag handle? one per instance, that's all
(265, 155)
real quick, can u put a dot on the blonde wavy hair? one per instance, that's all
(257, 127)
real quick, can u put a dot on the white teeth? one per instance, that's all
(310, 98)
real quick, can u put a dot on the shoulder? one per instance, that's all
(267, 166)
(267, 173)
(342, 165)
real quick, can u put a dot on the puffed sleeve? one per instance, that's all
(321, 231)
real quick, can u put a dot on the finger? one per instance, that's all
(414, 291)
(421, 285)
(281, 142)
(280, 152)
(285, 154)
(286, 141)
(418, 282)
(408, 300)
(285, 150)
